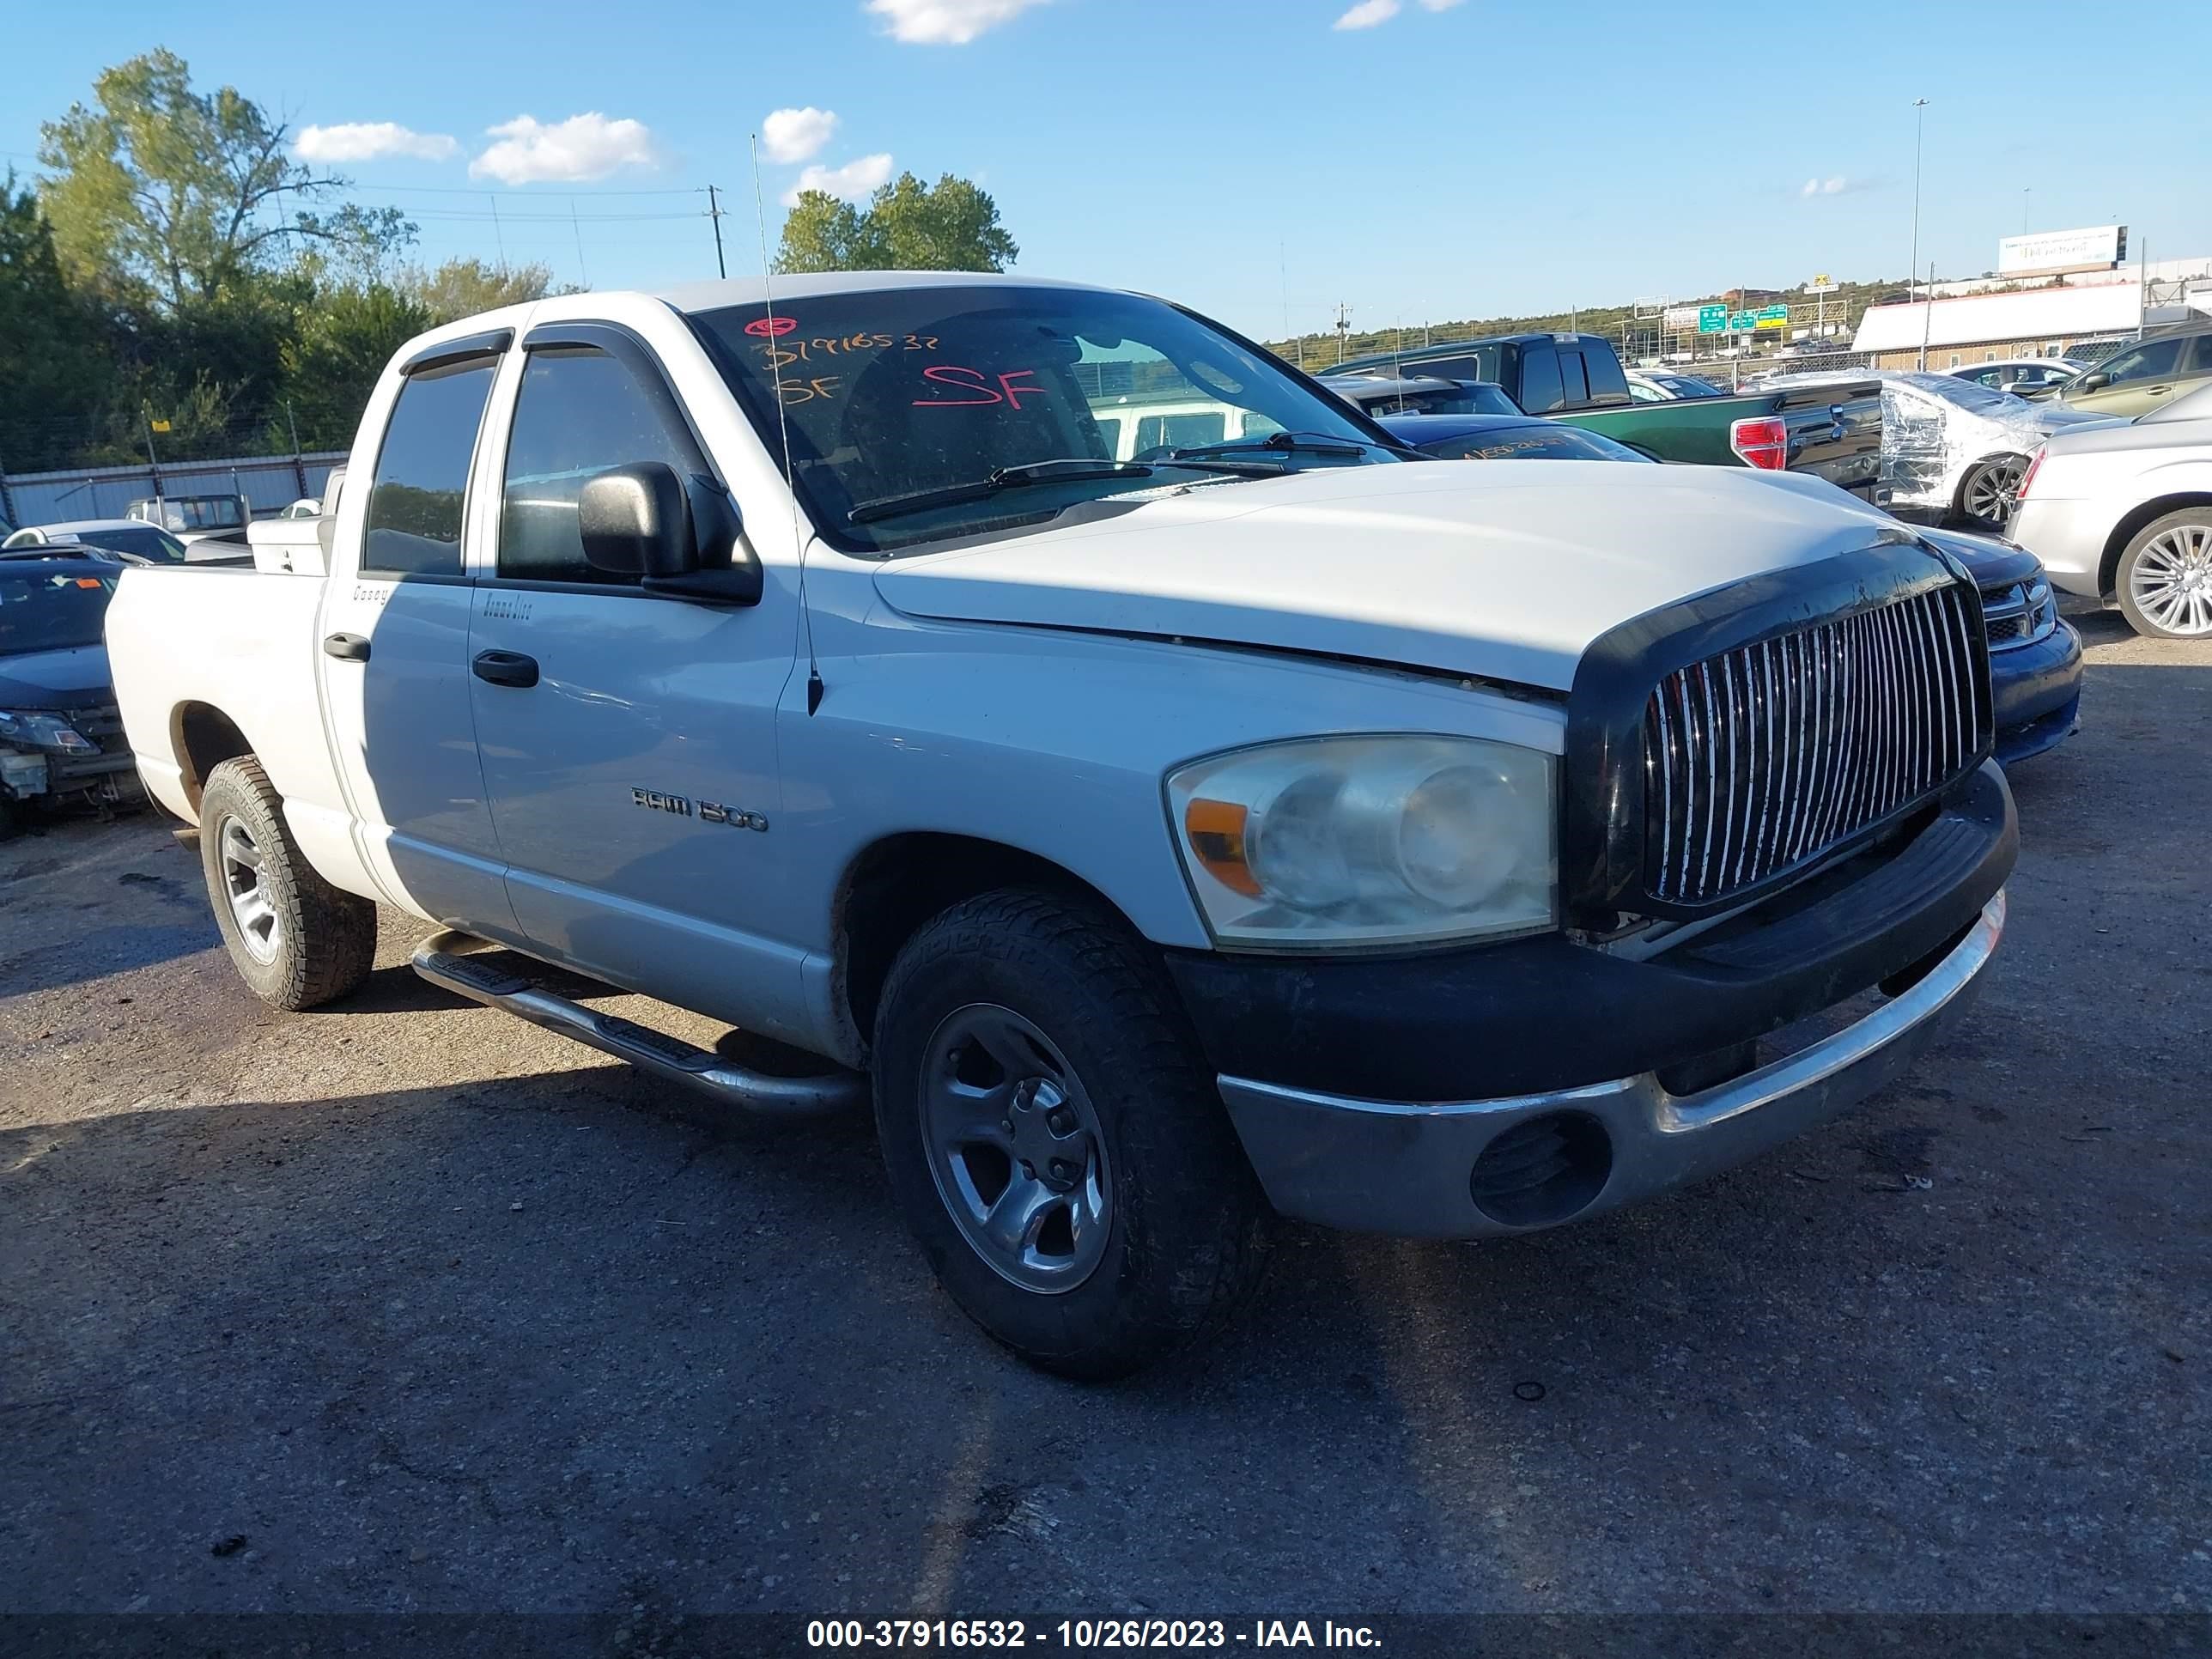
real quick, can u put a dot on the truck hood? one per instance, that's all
(1503, 570)
(70, 677)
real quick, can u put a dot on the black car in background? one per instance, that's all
(2035, 655)
(61, 740)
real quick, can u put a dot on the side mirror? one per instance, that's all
(681, 535)
(635, 522)
(2095, 380)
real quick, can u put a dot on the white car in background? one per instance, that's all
(1660, 385)
(2023, 377)
(2123, 513)
(1950, 449)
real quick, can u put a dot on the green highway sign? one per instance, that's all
(1719, 319)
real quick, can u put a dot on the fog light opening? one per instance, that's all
(1543, 1170)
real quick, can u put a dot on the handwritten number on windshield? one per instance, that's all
(1009, 390)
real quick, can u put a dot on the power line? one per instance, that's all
(357, 186)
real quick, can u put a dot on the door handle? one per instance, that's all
(505, 668)
(346, 647)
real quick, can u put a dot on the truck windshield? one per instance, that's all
(896, 394)
(48, 612)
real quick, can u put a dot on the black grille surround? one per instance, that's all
(1902, 716)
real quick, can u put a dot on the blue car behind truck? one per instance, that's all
(2035, 655)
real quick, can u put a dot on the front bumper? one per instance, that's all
(2036, 690)
(1493, 1090)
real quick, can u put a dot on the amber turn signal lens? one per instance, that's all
(1215, 829)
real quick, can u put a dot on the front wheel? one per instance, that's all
(1990, 490)
(2165, 577)
(296, 940)
(1054, 1140)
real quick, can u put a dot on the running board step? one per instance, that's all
(446, 960)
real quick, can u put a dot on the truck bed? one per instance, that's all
(1834, 431)
(215, 636)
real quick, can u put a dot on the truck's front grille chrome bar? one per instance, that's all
(1761, 757)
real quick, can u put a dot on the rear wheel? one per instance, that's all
(2165, 577)
(1989, 490)
(295, 938)
(1054, 1138)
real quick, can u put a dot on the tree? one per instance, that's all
(329, 366)
(60, 378)
(462, 288)
(952, 225)
(173, 194)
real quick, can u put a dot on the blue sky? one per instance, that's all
(1416, 159)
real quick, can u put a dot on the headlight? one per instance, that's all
(1369, 840)
(44, 732)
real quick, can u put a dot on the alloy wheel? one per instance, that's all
(1016, 1149)
(2171, 582)
(245, 885)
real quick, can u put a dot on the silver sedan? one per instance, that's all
(2123, 514)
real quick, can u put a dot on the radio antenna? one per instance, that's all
(783, 431)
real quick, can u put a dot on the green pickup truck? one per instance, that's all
(1833, 431)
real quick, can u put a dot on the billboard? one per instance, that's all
(2098, 247)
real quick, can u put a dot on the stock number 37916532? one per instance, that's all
(1077, 1633)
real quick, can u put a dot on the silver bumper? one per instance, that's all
(1409, 1169)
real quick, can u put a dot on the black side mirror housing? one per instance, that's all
(681, 537)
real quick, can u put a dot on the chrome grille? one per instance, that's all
(1762, 757)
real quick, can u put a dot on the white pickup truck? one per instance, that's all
(1283, 824)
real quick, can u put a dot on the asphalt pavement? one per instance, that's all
(404, 1305)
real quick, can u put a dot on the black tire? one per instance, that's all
(323, 941)
(1186, 1226)
(1989, 490)
(2168, 544)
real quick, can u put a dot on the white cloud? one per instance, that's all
(583, 147)
(797, 134)
(1367, 14)
(850, 183)
(371, 140)
(1438, 5)
(1836, 185)
(945, 22)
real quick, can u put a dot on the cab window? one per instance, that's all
(579, 413)
(1541, 389)
(422, 476)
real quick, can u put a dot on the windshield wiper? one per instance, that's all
(1285, 443)
(1071, 470)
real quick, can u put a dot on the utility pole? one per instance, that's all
(1912, 270)
(714, 212)
(2027, 190)
(7, 501)
(1343, 329)
(1928, 314)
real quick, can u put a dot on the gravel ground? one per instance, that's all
(407, 1306)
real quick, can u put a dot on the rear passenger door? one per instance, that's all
(628, 737)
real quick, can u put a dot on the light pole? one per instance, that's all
(1919, 121)
(2025, 191)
